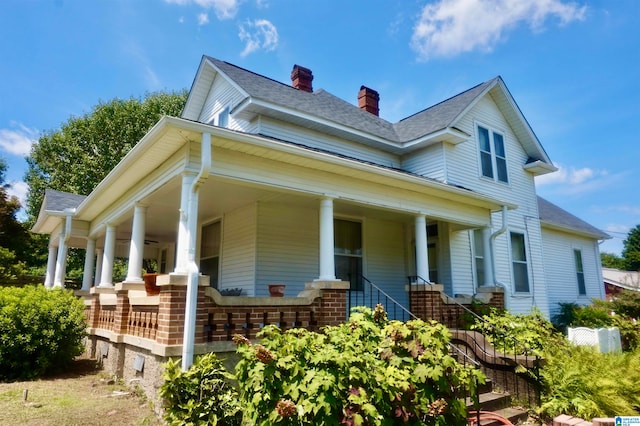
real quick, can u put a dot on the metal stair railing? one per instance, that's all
(461, 317)
(383, 298)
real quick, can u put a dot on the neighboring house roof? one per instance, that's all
(321, 108)
(627, 280)
(555, 217)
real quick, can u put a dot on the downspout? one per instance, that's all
(492, 239)
(188, 339)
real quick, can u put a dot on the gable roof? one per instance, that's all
(555, 217)
(440, 115)
(325, 112)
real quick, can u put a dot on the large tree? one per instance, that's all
(631, 250)
(15, 241)
(611, 260)
(76, 157)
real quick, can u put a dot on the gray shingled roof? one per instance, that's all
(439, 116)
(58, 201)
(325, 105)
(554, 215)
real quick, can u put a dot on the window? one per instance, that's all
(223, 118)
(478, 254)
(493, 159)
(348, 252)
(577, 255)
(210, 252)
(519, 263)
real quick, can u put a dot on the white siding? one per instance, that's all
(461, 265)
(237, 266)
(462, 167)
(287, 247)
(562, 282)
(221, 95)
(313, 139)
(385, 258)
(429, 162)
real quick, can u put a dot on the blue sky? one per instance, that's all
(573, 68)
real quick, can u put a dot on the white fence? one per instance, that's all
(604, 339)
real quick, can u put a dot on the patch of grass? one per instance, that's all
(78, 396)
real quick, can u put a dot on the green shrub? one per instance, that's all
(603, 314)
(518, 334)
(367, 371)
(201, 395)
(10, 267)
(582, 382)
(40, 331)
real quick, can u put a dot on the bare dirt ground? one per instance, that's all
(82, 395)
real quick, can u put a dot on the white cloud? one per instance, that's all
(258, 34)
(224, 9)
(18, 139)
(203, 18)
(570, 176)
(572, 181)
(451, 27)
(20, 190)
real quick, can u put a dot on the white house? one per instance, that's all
(263, 182)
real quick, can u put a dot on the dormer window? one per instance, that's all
(493, 160)
(223, 118)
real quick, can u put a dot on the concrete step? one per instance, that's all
(511, 414)
(491, 401)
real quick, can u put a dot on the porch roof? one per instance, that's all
(171, 134)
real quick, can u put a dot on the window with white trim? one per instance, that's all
(223, 118)
(493, 159)
(519, 262)
(478, 256)
(577, 256)
(348, 252)
(210, 252)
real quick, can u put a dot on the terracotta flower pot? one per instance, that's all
(150, 284)
(276, 290)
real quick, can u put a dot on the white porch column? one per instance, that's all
(98, 274)
(327, 259)
(51, 266)
(89, 260)
(422, 253)
(487, 258)
(61, 262)
(136, 249)
(182, 251)
(106, 274)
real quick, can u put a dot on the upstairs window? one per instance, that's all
(577, 255)
(223, 118)
(519, 263)
(493, 160)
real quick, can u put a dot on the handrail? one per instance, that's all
(411, 314)
(496, 341)
(388, 298)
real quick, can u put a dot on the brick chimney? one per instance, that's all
(301, 78)
(368, 100)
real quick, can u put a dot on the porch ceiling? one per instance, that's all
(163, 205)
